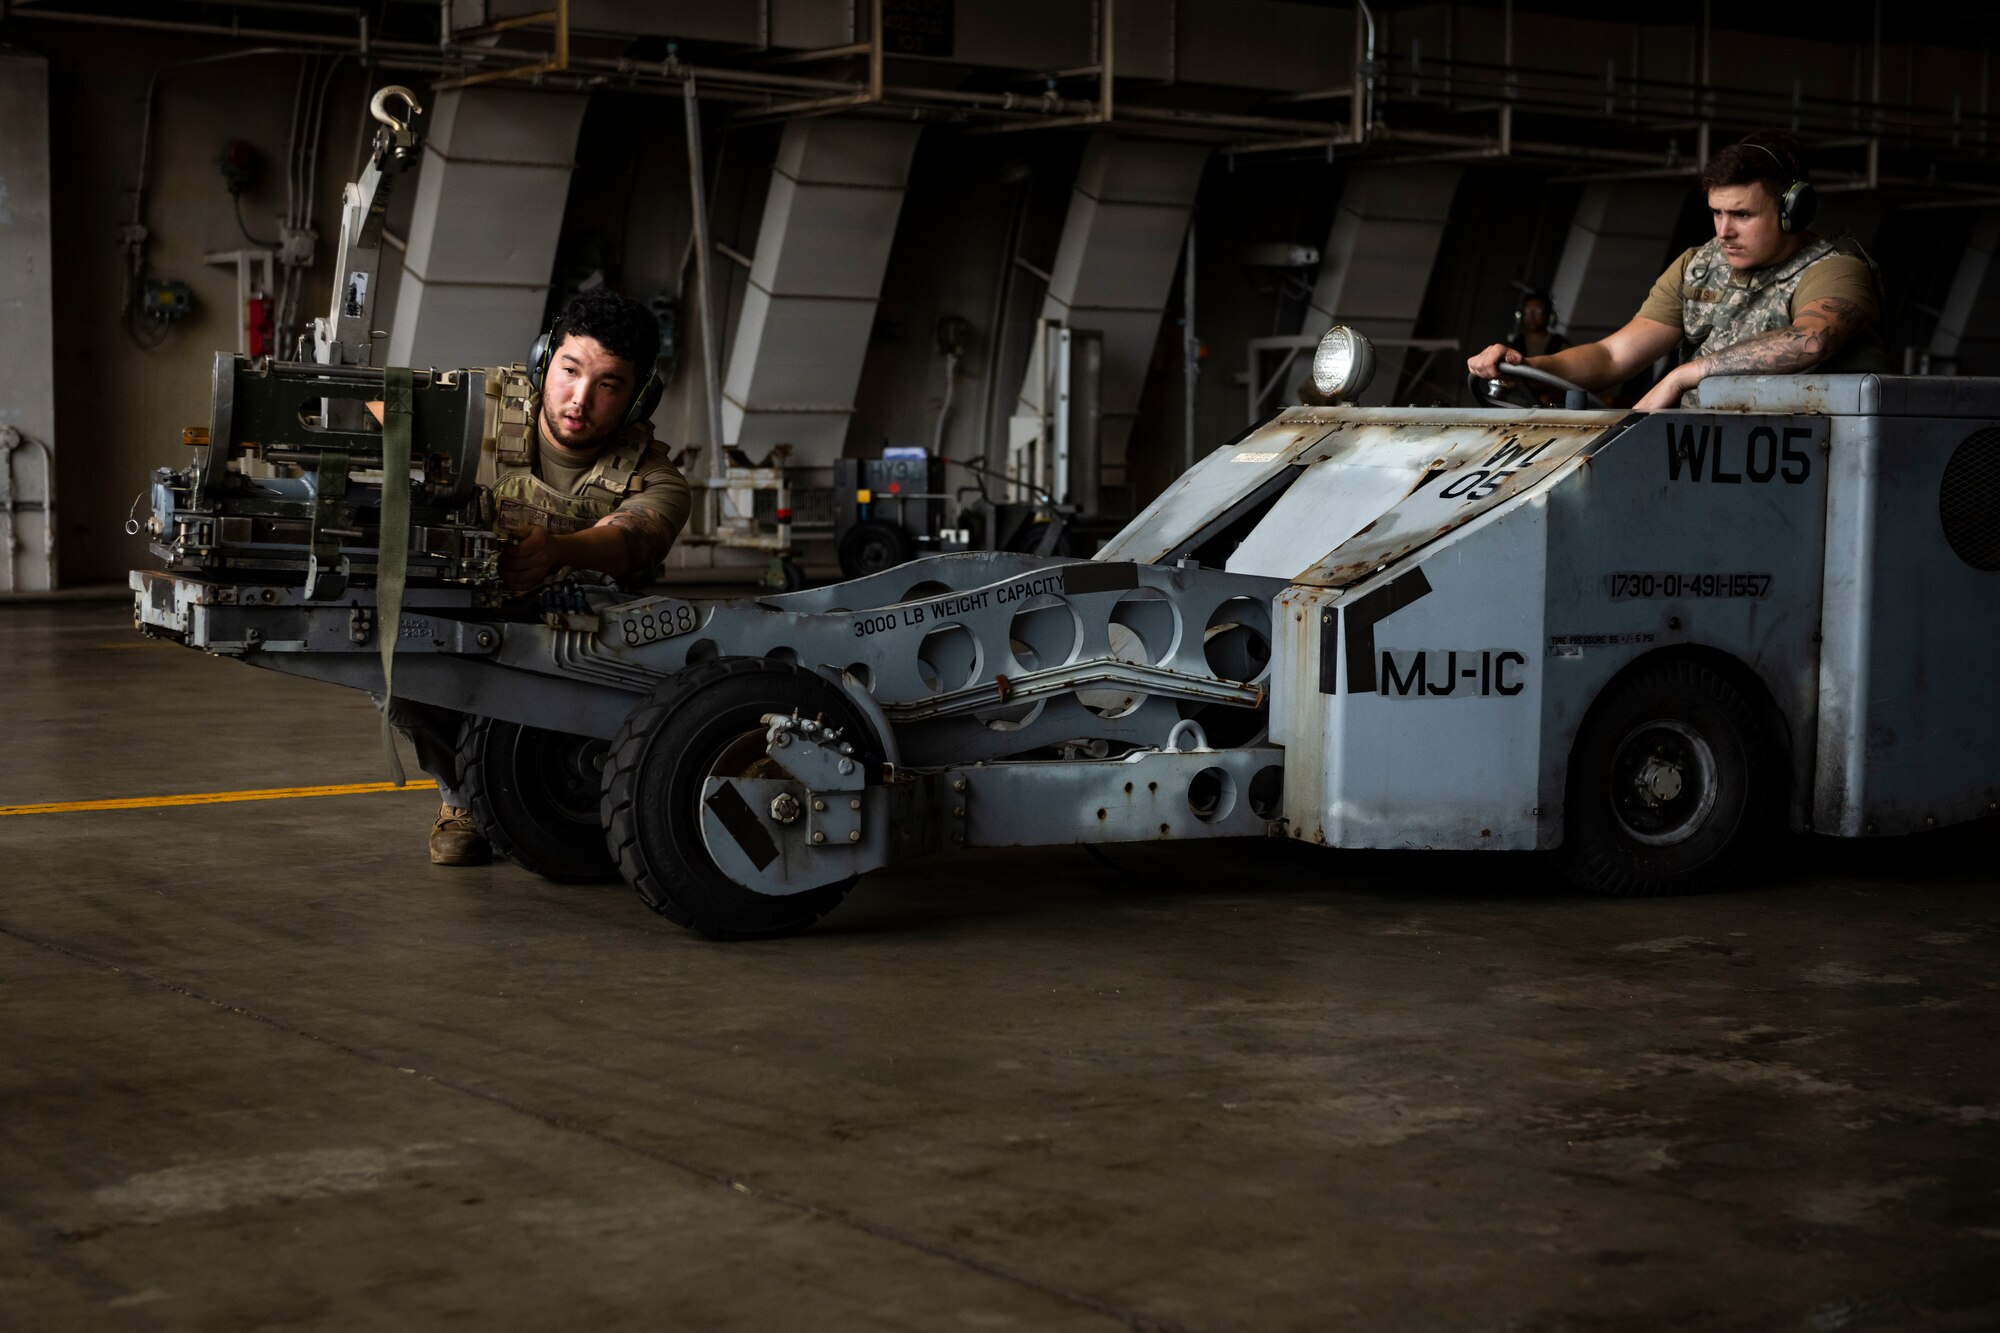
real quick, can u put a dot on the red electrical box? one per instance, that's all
(258, 339)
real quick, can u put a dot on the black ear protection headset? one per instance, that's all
(1800, 201)
(643, 402)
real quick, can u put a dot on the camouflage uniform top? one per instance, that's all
(1715, 307)
(533, 485)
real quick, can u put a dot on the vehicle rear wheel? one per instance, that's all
(535, 795)
(707, 723)
(1671, 785)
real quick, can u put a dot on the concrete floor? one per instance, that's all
(267, 1068)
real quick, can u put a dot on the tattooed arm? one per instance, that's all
(646, 538)
(1818, 331)
(630, 541)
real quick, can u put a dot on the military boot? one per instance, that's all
(456, 839)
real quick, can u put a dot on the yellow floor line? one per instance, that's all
(212, 798)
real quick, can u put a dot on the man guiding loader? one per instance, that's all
(588, 489)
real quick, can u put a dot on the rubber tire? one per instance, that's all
(871, 546)
(652, 792)
(514, 778)
(1599, 854)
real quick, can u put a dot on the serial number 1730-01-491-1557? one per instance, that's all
(1670, 583)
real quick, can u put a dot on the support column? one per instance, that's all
(1378, 259)
(27, 342)
(1616, 248)
(1967, 339)
(488, 212)
(1114, 270)
(829, 221)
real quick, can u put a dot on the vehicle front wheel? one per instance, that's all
(1671, 785)
(707, 722)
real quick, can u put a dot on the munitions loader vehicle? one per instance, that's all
(1640, 642)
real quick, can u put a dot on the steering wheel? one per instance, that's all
(1485, 397)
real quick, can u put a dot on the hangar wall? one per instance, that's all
(120, 407)
(27, 374)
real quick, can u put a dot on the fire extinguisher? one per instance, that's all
(258, 335)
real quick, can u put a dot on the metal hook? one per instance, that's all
(381, 113)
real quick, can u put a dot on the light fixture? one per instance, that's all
(1343, 363)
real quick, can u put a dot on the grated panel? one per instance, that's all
(1969, 499)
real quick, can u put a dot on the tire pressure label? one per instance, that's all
(1677, 584)
(1572, 645)
(651, 622)
(1452, 673)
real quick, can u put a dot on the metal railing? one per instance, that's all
(1395, 104)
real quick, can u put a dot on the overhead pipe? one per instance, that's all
(1662, 97)
(1361, 107)
(1105, 58)
(711, 378)
(870, 94)
(557, 61)
(1098, 112)
(1190, 352)
(1705, 110)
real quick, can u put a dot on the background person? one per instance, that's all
(1533, 334)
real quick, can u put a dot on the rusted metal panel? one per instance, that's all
(1409, 704)
(1305, 647)
(1377, 484)
(1145, 796)
(1963, 398)
(1422, 480)
(1215, 483)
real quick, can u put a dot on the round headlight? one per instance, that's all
(1344, 363)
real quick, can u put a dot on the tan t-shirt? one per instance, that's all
(1839, 275)
(657, 487)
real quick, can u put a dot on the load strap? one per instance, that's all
(392, 560)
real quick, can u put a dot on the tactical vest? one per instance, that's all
(1721, 307)
(507, 464)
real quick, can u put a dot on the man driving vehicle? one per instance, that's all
(588, 490)
(1765, 297)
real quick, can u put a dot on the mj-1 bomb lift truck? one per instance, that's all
(1640, 642)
